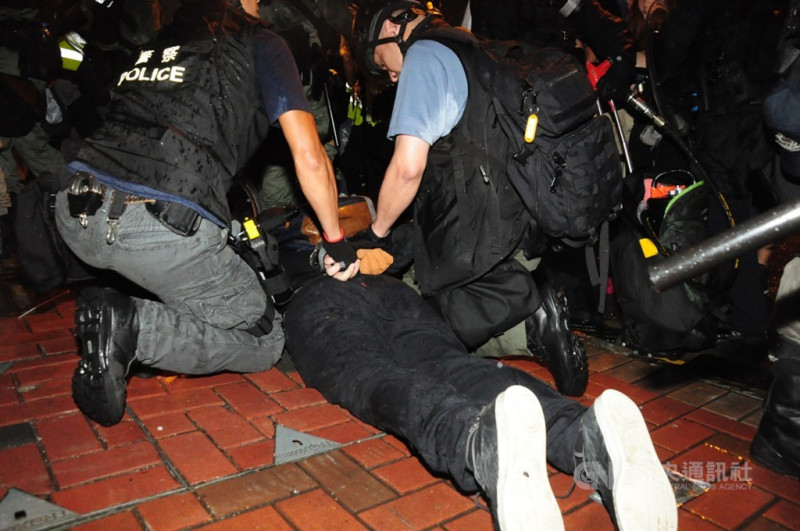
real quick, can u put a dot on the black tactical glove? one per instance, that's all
(616, 83)
(367, 239)
(340, 250)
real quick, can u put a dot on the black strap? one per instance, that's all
(598, 267)
(278, 282)
(178, 218)
(118, 205)
(262, 327)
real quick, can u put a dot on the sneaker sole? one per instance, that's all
(524, 496)
(643, 496)
(99, 398)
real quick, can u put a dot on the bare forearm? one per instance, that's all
(397, 193)
(318, 183)
(313, 168)
(401, 182)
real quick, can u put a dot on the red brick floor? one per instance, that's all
(198, 452)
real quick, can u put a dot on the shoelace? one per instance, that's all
(568, 494)
(480, 503)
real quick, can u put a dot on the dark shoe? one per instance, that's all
(777, 442)
(619, 461)
(145, 372)
(628, 338)
(551, 340)
(766, 454)
(585, 320)
(735, 341)
(506, 453)
(108, 331)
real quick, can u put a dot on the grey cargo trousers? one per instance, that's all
(207, 295)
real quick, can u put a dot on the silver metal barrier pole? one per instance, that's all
(756, 232)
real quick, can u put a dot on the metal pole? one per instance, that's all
(756, 232)
(625, 150)
(330, 114)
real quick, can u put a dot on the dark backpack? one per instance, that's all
(666, 323)
(680, 318)
(567, 172)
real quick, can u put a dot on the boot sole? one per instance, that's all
(558, 306)
(642, 494)
(100, 396)
(524, 496)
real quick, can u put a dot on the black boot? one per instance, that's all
(777, 442)
(108, 331)
(551, 340)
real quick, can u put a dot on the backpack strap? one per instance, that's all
(598, 267)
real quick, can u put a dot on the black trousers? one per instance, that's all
(375, 347)
(749, 312)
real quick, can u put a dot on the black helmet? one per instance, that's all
(369, 19)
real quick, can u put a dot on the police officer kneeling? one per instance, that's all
(146, 199)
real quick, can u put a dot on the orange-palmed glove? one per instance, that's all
(374, 261)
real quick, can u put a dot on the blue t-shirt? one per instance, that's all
(431, 93)
(276, 73)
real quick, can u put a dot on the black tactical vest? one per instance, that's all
(185, 115)
(468, 217)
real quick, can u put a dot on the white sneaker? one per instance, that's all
(507, 449)
(628, 475)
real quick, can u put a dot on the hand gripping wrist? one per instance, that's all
(340, 250)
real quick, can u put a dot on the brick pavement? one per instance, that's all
(197, 453)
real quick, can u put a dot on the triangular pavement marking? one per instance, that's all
(20, 510)
(291, 445)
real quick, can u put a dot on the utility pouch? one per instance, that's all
(178, 218)
(738, 87)
(85, 195)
